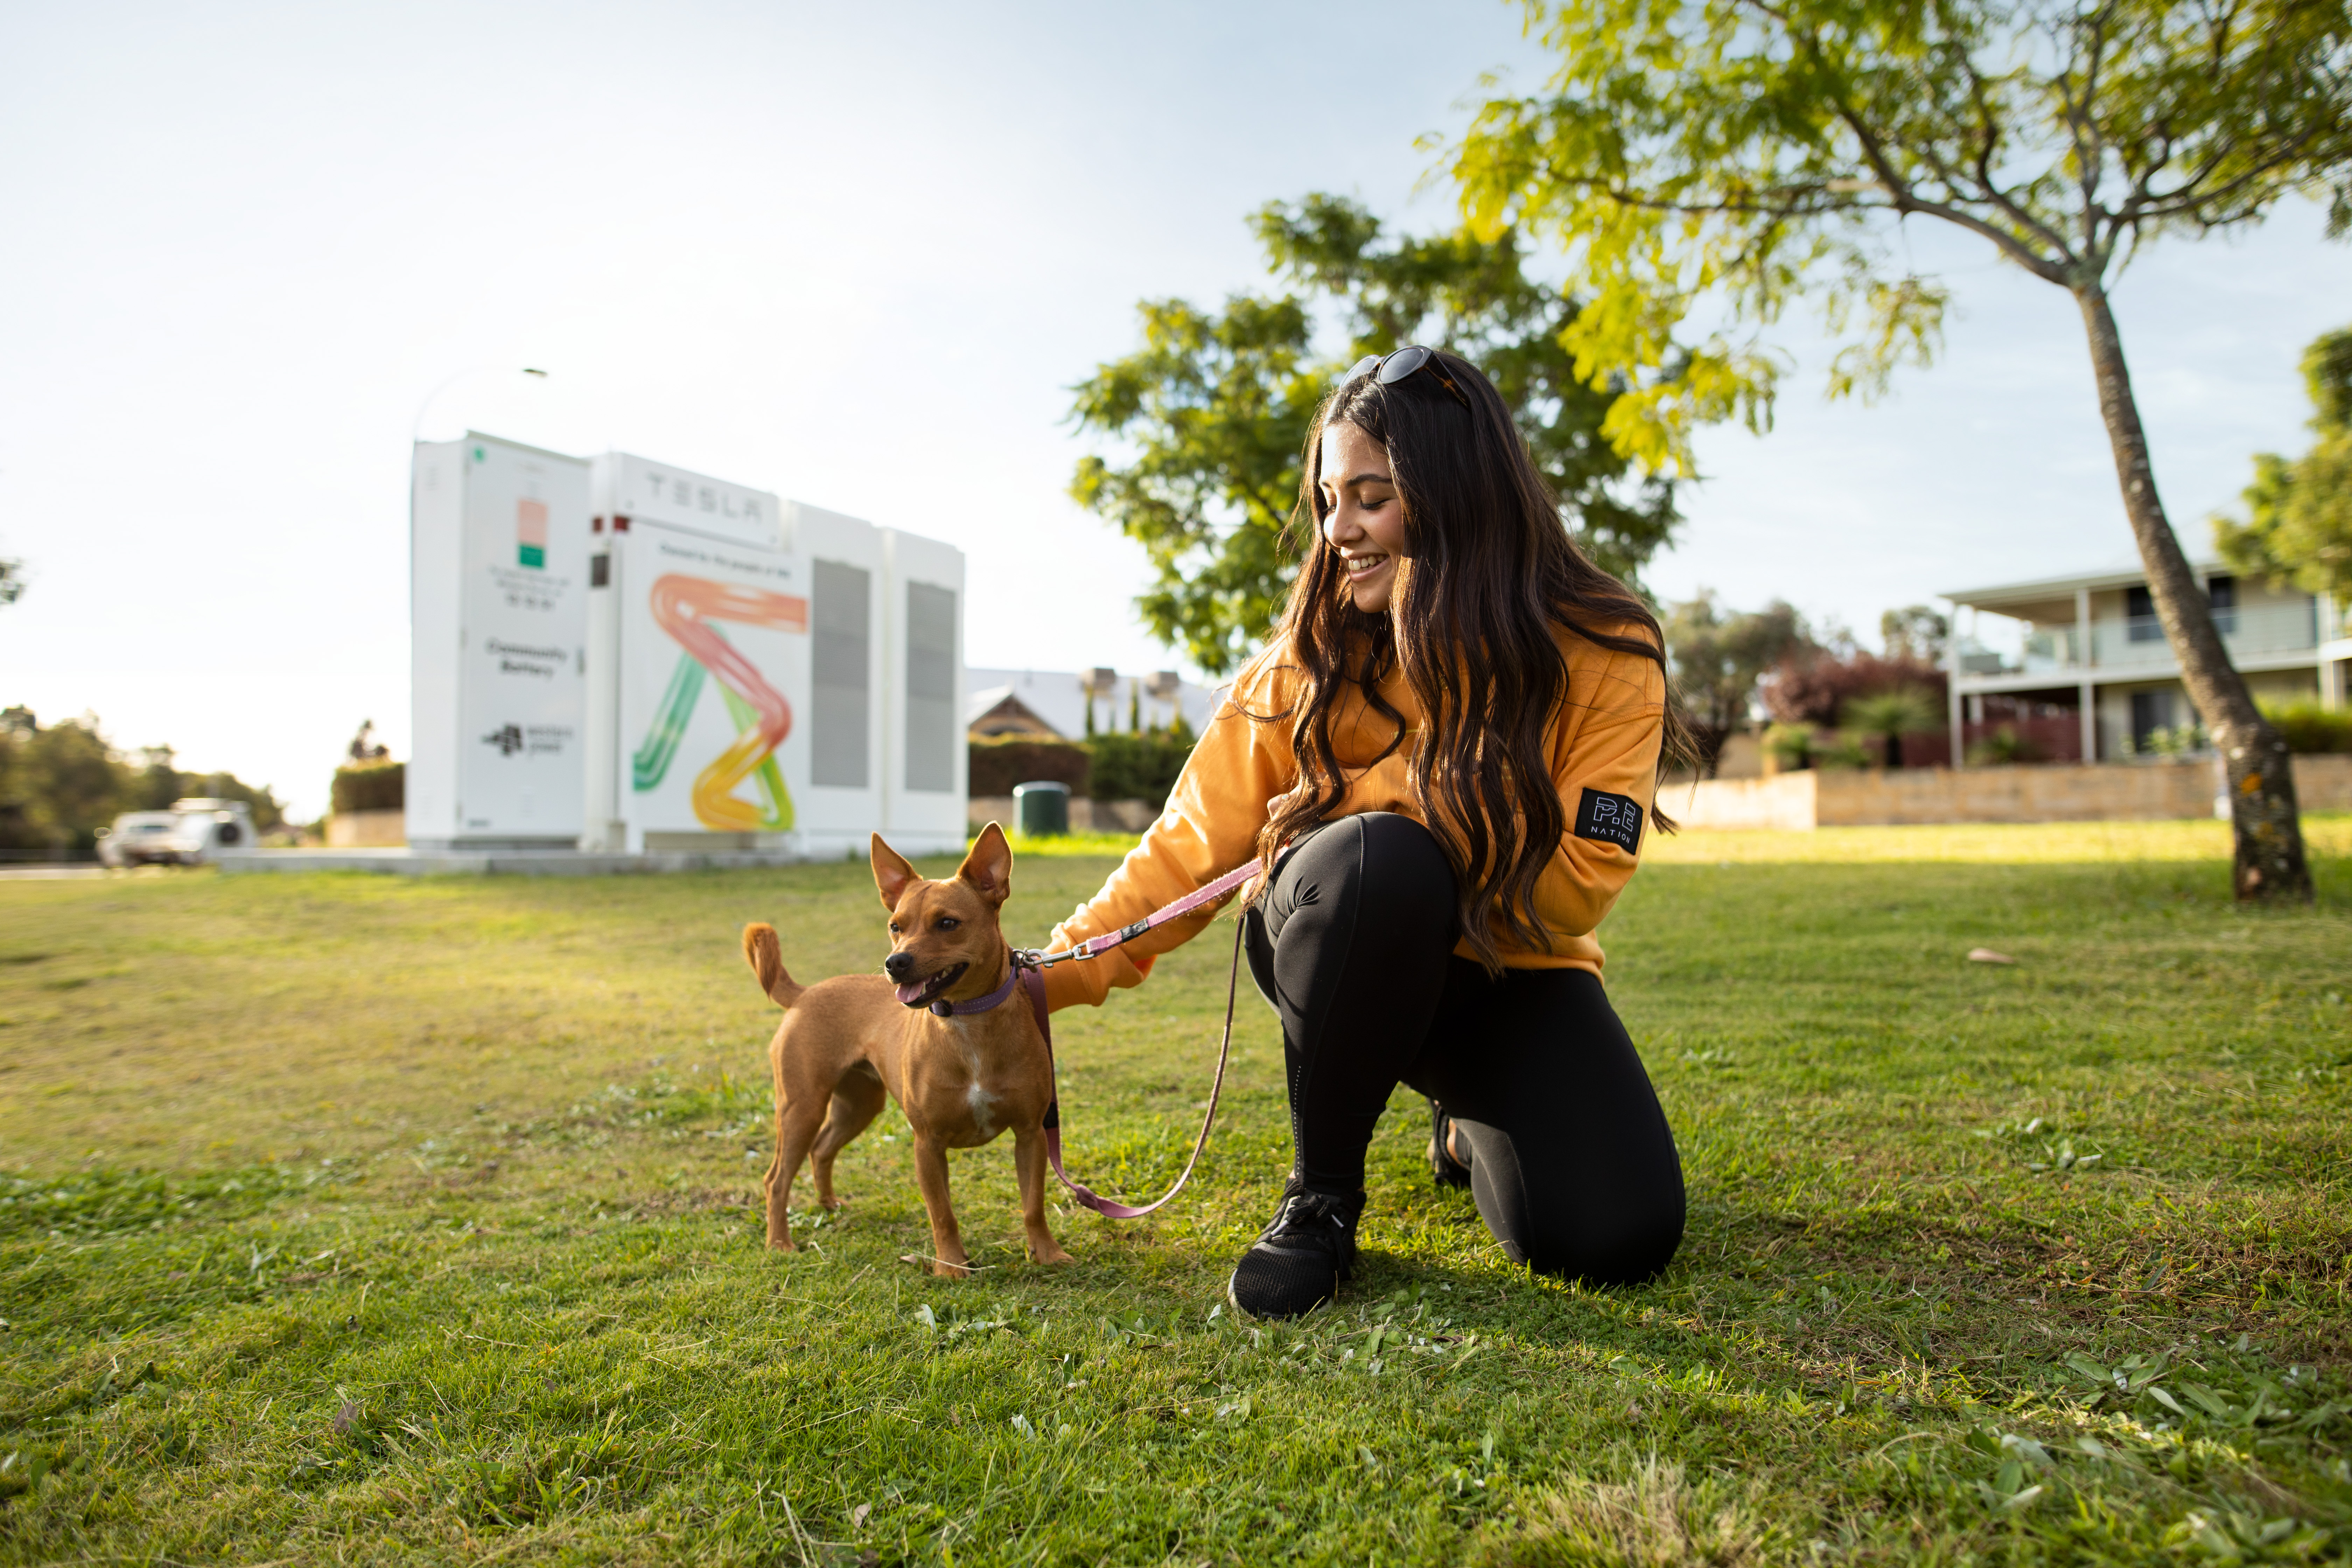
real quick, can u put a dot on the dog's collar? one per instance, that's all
(946, 1009)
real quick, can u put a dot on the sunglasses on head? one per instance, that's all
(1389, 369)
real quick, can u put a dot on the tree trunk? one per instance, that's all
(2266, 826)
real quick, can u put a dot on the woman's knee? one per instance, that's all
(1376, 861)
(1620, 1250)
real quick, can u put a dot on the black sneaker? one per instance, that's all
(1449, 1171)
(1298, 1259)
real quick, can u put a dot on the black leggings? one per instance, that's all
(1571, 1160)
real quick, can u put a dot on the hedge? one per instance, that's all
(2308, 728)
(371, 786)
(998, 765)
(1136, 767)
(1109, 767)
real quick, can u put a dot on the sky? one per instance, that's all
(857, 256)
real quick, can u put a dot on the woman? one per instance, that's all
(1446, 757)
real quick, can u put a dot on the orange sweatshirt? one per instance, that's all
(1605, 759)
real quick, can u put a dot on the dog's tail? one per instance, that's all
(765, 954)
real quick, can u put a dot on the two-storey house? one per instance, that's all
(2080, 666)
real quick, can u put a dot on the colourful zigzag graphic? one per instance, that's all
(681, 606)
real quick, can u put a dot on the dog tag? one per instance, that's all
(943, 1009)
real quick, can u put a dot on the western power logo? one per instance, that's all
(530, 532)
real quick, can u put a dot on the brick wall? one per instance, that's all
(2129, 792)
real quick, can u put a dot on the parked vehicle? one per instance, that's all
(191, 834)
(140, 838)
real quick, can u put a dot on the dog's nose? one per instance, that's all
(898, 966)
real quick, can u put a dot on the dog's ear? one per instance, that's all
(892, 875)
(987, 869)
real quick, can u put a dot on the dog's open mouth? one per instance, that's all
(922, 993)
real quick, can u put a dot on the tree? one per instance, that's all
(2299, 526)
(1915, 632)
(59, 784)
(1217, 407)
(1892, 714)
(1757, 152)
(64, 781)
(12, 581)
(1718, 657)
(1815, 685)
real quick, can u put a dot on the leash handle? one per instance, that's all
(1034, 983)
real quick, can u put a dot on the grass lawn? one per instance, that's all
(350, 1218)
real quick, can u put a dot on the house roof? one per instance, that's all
(2038, 589)
(997, 697)
(1056, 696)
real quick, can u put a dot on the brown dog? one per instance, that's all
(961, 1079)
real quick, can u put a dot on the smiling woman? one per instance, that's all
(1444, 762)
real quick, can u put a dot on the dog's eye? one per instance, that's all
(949, 922)
(894, 928)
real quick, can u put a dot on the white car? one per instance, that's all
(191, 834)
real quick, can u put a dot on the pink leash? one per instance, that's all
(1029, 966)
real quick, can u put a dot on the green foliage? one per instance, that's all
(2298, 529)
(1889, 716)
(1135, 767)
(2175, 740)
(1473, 296)
(1840, 752)
(1718, 657)
(2040, 1263)
(2308, 728)
(1789, 746)
(59, 784)
(2006, 745)
(369, 786)
(1916, 633)
(1760, 154)
(998, 765)
(12, 581)
(1216, 408)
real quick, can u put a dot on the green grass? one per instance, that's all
(357, 1219)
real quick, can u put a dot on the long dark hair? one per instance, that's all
(1489, 572)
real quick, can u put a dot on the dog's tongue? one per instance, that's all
(910, 995)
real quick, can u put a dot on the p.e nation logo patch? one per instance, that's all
(1612, 818)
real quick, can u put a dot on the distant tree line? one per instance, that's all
(61, 783)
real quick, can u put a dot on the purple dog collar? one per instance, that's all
(946, 1009)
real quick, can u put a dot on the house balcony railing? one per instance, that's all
(2122, 644)
(2127, 641)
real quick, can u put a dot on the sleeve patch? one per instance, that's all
(1612, 818)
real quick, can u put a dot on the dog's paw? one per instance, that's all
(782, 1243)
(1051, 1254)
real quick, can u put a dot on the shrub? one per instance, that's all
(2006, 745)
(1813, 687)
(2310, 729)
(998, 765)
(1889, 716)
(1791, 745)
(1842, 752)
(370, 786)
(1136, 767)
